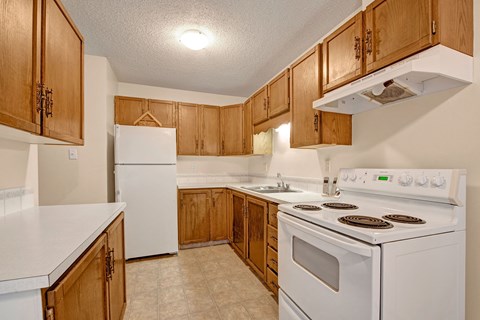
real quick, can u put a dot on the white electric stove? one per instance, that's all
(392, 246)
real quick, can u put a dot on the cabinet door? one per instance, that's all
(247, 128)
(163, 111)
(117, 290)
(343, 54)
(194, 220)
(232, 130)
(239, 223)
(82, 292)
(128, 109)
(259, 106)
(278, 94)
(187, 130)
(210, 131)
(218, 216)
(62, 72)
(229, 216)
(256, 234)
(19, 64)
(305, 88)
(395, 29)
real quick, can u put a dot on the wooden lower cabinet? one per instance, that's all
(272, 247)
(93, 288)
(239, 223)
(229, 206)
(218, 216)
(202, 216)
(256, 224)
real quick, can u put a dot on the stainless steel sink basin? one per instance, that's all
(270, 189)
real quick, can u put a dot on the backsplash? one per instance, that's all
(15, 199)
(211, 178)
(307, 184)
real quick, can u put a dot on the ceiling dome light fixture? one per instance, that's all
(194, 39)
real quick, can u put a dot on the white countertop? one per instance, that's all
(282, 197)
(38, 245)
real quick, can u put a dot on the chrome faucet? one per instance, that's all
(279, 176)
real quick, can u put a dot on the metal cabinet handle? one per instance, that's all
(369, 41)
(40, 97)
(48, 102)
(112, 265)
(315, 122)
(264, 103)
(357, 48)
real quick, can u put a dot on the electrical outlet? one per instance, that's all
(72, 154)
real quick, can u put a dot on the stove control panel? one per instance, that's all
(440, 185)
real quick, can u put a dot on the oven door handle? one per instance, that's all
(331, 237)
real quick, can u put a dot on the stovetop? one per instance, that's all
(436, 210)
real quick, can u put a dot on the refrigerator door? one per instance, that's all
(150, 192)
(145, 145)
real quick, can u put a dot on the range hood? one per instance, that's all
(436, 69)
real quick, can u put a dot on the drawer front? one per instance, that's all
(272, 237)
(272, 259)
(272, 281)
(272, 215)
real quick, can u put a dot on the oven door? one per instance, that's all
(327, 275)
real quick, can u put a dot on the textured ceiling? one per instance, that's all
(252, 39)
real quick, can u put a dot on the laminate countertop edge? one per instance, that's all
(38, 245)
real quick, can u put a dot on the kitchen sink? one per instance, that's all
(270, 189)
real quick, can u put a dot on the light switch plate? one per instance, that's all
(72, 154)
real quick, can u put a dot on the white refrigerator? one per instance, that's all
(145, 178)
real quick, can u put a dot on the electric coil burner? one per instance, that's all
(307, 207)
(365, 222)
(340, 206)
(401, 218)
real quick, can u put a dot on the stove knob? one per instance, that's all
(438, 181)
(405, 180)
(353, 176)
(345, 176)
(421, 180)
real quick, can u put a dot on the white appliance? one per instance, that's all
(145, 178)
(333, 266)
(423, 73)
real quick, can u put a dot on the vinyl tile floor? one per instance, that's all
(203, 283)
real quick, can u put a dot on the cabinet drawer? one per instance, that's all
(272, 214)
(272, 238)
(272, 281)
(272, 259)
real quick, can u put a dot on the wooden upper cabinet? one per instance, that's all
(194, 217)
(117, 283)
(218, 215)
(232, 130)
(256, 234)
(395, 29)
(62, 73)
(163, 111)
(19, 64)
(187, 129)
(305, 88)
(82, 293)
(128, 109)
(210, 131)
(278, 94)
(247, 128)
(259, 106)
(343, 54)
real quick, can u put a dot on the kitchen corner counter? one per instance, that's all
(38, 245)
(280, 198)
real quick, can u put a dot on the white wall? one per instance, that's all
(19, 166)
(90, 178)
(191, 164)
